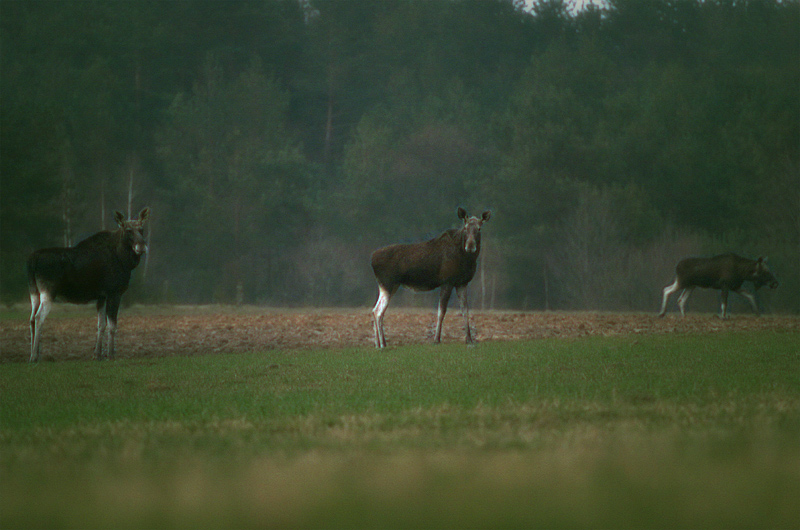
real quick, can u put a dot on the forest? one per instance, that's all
(279, 142)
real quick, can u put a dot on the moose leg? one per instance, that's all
(384, 295)
(462, 298)
(668, 290)
(101, 328)
(750, 298)
(34, 308)
(444, 298)
(112, 308)
(683, 298)
(724, 307)
(40, 307)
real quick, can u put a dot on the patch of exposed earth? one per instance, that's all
(158, 332)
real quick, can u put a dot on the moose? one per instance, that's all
(447, 261)
(98, 268)
(726, 272)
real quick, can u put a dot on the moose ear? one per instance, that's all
(462, 213)
(486, 216)
(119, 218)
(144, 214)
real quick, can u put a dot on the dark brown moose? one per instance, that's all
(98, 268)
(446, 261)
(726, 272)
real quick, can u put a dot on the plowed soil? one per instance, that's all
(159, 332)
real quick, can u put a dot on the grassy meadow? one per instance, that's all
(646, 431)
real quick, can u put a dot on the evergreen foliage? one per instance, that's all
(279, 141)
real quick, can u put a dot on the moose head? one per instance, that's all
(132, 231)
(472, 229)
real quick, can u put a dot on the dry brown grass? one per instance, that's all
(159, 332)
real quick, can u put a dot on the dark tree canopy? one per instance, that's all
(278, 142)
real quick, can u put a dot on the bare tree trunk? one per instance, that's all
(494, 291)
(131, 173)
(130, 193)
(67, 217)
(147, 254)
(483, 288)
(102, 203)
(329, 131)
(66, 201)
(333, 71)
(546, 288)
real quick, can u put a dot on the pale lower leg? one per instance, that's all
(682, 300)
(101, 328)
(724, 307)
(750, 298)
(668, 290)
(377, 314)
(45, 304)
(462, 298)
(112, 308)
(34, 308)
(444, 298)
(112, 333)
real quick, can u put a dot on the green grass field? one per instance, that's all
(646, 431)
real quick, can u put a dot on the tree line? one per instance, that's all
(278, 142)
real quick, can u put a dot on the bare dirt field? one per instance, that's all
(175, 331)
